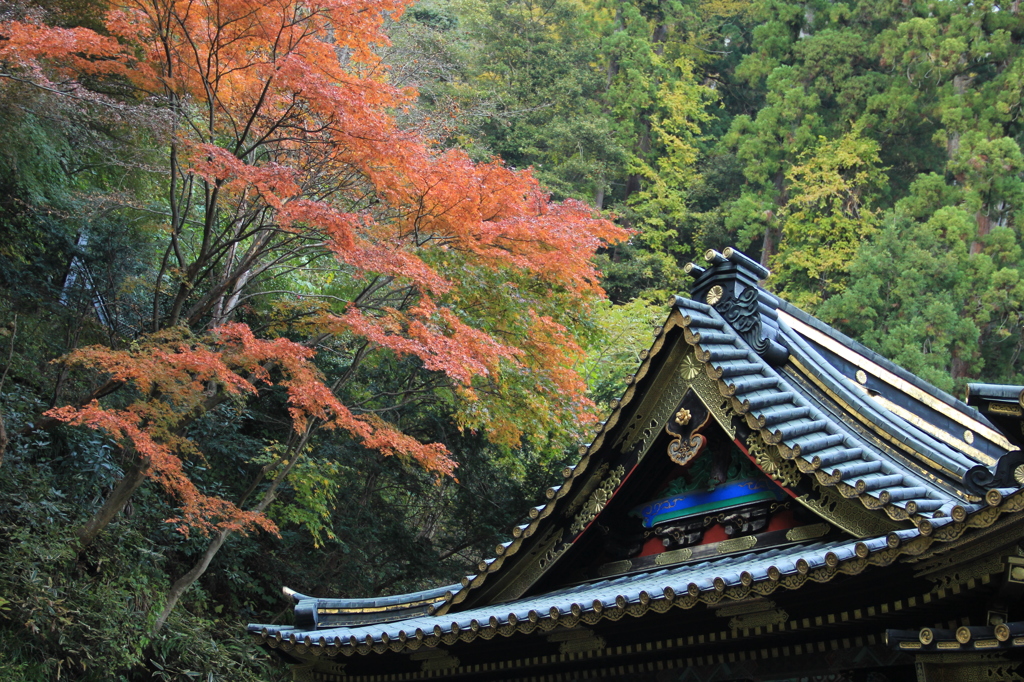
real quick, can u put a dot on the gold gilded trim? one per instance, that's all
(849, 515)
(908, 416)
(615, 567)
(598, 499)
(381, 609)
(894, 381)
(1005, 408)
(673, 557)
(807, 532)
(737, 544)
(873, 427)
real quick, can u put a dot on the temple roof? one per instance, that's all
(894, 468)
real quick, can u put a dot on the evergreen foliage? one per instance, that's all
(868, 152)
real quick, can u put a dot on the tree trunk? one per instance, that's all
(182, 584)
(114, 503)
(768, 245)
(185, 581)
(3, 438)
(3, 379)
(984, 227)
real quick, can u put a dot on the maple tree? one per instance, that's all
(285, 162)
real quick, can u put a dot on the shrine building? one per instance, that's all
(769, 500)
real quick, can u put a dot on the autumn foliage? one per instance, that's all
(284, 151)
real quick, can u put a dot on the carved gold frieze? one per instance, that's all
(736, 544)
(546, 554)
(682, 452)
(1005, 408)
(584, 493)
(768, 459)
(850, 515)
(801, 533)
(598, 499)
(615, 567)
(673, 557)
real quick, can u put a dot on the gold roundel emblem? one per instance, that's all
(862, 376)
(690, 368)
(1018, 475)
(968, 436)
(714, 294)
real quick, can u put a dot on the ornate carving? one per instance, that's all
(979, 479)
(690, 368)
(739, 522)
(682, 417)
(850, 515)
(737, 544)
(743, 314)
(767, 457)
(755, 620)
(673, 557)
(682, 453)
(720, 407)
(551, 555)
(586, 490)
(598, 499)
(807, 532)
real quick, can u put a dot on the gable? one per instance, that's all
(754, 453)
(859, 461)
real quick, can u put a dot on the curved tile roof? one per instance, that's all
(732, 577)
(886, 439)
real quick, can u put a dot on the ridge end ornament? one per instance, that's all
(742, 312)
(1008, 473)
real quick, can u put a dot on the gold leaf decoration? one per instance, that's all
(778, 469)
(598, 499)
(690, 368)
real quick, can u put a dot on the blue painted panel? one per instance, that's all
(730, 494)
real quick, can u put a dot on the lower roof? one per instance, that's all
(731, 577)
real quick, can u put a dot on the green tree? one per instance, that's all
(828, 215)
(920, 295)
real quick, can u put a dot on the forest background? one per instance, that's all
(277, 307)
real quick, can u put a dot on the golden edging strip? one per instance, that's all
(895, 381)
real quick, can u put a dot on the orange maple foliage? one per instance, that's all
(285, 147)
(173, 374)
